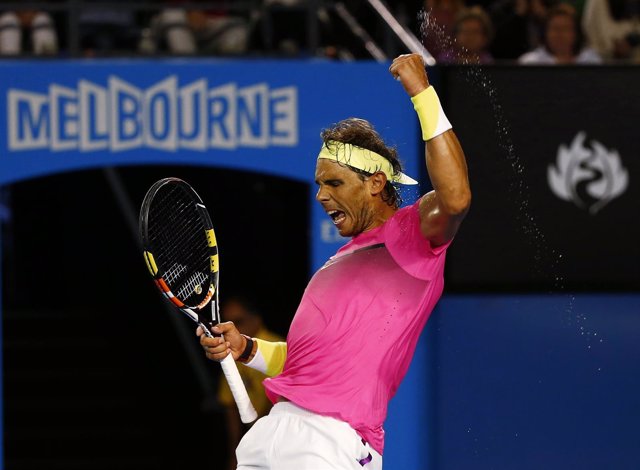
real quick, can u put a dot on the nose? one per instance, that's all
(322, 195)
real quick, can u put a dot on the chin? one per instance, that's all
(345, 232)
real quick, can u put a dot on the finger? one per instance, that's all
(216, 330)
(401, 59)
(220, 348)
(211, 342)
(393, 70)
(217, 355)
(199, 331)
(222, 328)
(398, 65)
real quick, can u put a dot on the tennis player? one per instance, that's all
(357, 325)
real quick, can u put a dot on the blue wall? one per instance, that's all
(534, 382)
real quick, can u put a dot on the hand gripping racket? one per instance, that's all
(181, 253)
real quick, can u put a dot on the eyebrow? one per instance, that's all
(329, 180)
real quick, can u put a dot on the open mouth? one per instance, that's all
(337, 216)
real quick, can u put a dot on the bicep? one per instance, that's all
(437, 225)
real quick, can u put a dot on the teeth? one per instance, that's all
(337, 216)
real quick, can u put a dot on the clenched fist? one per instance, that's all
(409, 69)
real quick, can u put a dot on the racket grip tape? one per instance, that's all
(248, 413)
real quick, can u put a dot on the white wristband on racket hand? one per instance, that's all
(247, 412)
(433, 121)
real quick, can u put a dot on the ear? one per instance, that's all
(377, 182)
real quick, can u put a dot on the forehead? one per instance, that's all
(234, 310)
(561, 20)
(328, 169)
(471, 23)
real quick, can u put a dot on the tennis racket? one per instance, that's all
(181, 253)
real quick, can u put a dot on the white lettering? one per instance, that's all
(253, 114)
(28, 119)
(166, 117)
(161, 115)
(125, 109)
(63, 118)
(221, 117)
(283, 116)
(329, 233)
(193, 103)
(94, 118)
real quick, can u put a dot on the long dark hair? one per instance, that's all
(361, 133)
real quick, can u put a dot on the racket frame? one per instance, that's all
(247, 412)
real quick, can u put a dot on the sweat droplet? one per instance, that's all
(546, 261)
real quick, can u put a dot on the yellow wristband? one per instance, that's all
(269, 357)
(433, 121)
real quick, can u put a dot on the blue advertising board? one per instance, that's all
(259, 116)
(248, 115)
(535, 381)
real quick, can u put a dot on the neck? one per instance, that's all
(382, 213)
(564, 57)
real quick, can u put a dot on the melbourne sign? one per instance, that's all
(165, 116)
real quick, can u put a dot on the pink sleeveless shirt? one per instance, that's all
(355, 331)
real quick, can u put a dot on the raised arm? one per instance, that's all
(441, 210)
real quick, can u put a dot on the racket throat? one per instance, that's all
(206, 326)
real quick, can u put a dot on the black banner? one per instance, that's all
(554, 163)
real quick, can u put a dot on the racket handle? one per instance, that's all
(248, 413)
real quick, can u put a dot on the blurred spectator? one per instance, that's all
(27, 31)
(196, 31)
(612, 28)
(562, 41)
(105, 30)
(245, 316)
(518, 26)
(283, 25)
(473, 33)
(438, 26)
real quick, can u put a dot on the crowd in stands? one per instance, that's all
(454, 31)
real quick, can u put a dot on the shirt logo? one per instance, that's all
(590, 177)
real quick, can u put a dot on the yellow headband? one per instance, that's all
(362, 159)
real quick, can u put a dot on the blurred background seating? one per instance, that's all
(454, 31)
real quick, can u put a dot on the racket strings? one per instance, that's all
(177, 235)
(194, 283)
(174, 272)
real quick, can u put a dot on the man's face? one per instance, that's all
(561, 35)
(345, 197)
(471, 35)
(238, 314)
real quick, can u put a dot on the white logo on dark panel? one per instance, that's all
(590, 177)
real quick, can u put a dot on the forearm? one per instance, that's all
(442, 210)
(444, 156)
(267, 356)
(447, 170)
